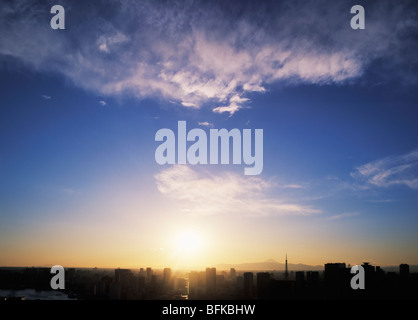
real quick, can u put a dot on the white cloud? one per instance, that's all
(46, 97)
(389, 171)
(206, 124)
(199, 54)
(232, 108)
(189, 104)
(236, 103)
(230, 194)
(102, 102)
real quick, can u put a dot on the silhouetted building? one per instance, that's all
(180, 285)
(369, 279)
(142, 273)
(248, 291)
(210, 283)
(263, 282)
(149, 275)
(336, 280)
(125, 283)
(368, 267)
(300, 283)
(233, 274)
(197, 282)
(103, 287)
(141, 285)
(405, 288)
(122, 276)
(280, 289)
(167, 276)
(69, 277)
(404, 270)
(115, 291)
(154, 282)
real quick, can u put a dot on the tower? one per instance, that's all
(286, 272)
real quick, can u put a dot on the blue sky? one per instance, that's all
(80, 107)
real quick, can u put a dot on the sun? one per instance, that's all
(190, 247)
(188, 242)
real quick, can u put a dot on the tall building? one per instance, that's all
(263, 282)
(248, 291)
(312, 282)
(300, 281)
(197, 282)
(167, 276)
(404, 270)
(149, 275)
(124, 283)
(405, 287)
(210, 282)
(337, 280)
(141, 286)
(368, 268)
(233, 274)
(123, 276)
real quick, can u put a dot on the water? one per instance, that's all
(32, 294)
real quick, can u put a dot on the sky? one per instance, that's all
(80, 107)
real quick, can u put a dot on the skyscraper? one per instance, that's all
(124, 283)
(167, 276)
(197, 282)
(248, 285)
(149, 274)
(210, 282)
(233, 274)
(123, 276)
(286, 272)
(263, 282)
(404, 270)
(337, 280)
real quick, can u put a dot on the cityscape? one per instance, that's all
(333, 282)
(163, 150)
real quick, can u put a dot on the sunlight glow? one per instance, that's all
(188, 242)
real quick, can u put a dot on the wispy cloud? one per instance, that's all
(235, 103)
(207, 54)
(342, 216)
(107, 42)
(381, 200)
(205, 124)
(231, 109)
(389, 171)
(46, 97)
(68, 191)
(294, 186)
(102, 102)
(209, 194)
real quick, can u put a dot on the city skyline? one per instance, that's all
(332, 281)
(80, 108)
(270, 265)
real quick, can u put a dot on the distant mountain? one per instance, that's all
(269, 265)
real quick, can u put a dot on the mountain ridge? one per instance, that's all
(269, 265)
